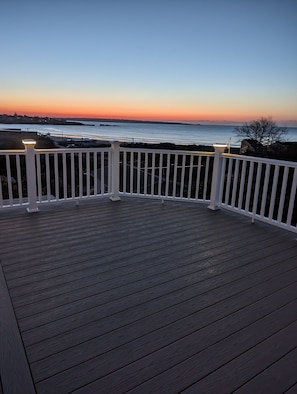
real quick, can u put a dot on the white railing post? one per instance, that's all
(115, 171)
(216, 177)
(31, 175)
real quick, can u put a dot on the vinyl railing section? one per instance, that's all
(33, 177)
(167, 175)
(13, 179)
(262, 189)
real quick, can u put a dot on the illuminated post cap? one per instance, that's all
(220, 145)
(29, 142)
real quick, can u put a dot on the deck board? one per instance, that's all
(151, 297)
(124, 283)
(124, 329)
(159, 337)
(14, 369)
(275, 378)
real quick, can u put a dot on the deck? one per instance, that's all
(143, 297)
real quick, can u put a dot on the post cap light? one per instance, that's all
(220, 145)
(29, 142)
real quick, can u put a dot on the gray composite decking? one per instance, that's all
(136, 296)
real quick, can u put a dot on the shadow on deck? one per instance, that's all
(146, 298)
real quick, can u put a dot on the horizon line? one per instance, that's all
(154, 120)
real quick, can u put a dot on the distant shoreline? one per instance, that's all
(44, 120)
(12, 139)
(24, 119)
(76, 121)
(131, 121)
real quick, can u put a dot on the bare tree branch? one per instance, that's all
(263, 131)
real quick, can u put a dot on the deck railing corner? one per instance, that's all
(115, 174)
(31, 175)
(216, 177)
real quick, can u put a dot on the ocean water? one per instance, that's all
(145, 132)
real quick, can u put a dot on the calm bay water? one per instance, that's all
(145, 132)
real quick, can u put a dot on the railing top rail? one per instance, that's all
(56, 150)
(75, 150)
(107, 149)
(261, 160)
(150, 150)
(12, 151)
(166, 151)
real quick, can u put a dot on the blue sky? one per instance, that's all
(156, 59)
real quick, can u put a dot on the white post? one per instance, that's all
(216, 177)
(115, 172)
(31, 175)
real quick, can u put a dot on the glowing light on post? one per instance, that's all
(216, 176)
(29, 142)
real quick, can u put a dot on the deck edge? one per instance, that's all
(15, 372)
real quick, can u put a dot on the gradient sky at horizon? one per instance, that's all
(150, 59)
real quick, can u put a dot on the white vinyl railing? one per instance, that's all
(170, 175)
(53, 175)
(72, 174)
(13, 184)
(263, 189)
(260, 188)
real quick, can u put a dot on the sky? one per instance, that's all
(190, 60)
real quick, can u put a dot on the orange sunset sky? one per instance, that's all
(165, 60)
